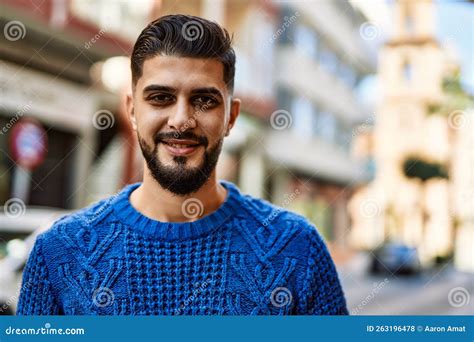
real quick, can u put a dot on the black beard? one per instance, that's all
(179, 179)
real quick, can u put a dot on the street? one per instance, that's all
(442, 291)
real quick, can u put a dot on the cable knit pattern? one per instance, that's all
(36, 292)
(246, 258)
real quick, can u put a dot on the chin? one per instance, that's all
(187, 162)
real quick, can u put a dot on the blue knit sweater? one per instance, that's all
(246, 258)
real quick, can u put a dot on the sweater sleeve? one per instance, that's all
(36, 296)
(321, 292)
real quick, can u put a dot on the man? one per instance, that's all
(180, 242)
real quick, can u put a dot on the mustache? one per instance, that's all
(186, 135)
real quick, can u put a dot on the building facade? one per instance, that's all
(299, 67)
(417, 149)
(321, 60)
(47, 53)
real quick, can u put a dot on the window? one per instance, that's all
(316, 120)
(407, 71)
(347, 74)
(284, 33)
(328, 59)
(409, 21)
(327, 126)
(302, 113)
(260, 80)
(344, 136)
(120, 17)
(409, 24)
(284, 98)
(50, 183)
(306, 41)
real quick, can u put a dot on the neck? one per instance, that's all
(160, 204)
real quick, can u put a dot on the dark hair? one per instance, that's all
(184, 36)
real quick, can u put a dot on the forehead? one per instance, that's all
(182, 72)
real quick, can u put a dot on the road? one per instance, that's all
(443, 291)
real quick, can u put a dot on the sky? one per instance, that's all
(456, 27)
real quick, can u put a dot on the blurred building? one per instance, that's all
(321, 59)
(421, 146)
(299, 67)
(47, 52)
(297, 75)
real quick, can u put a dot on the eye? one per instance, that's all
(161, 98)
(204, 102)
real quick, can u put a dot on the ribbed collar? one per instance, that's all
(127, 214)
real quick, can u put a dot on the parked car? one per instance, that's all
(17, 237)
(395, 258)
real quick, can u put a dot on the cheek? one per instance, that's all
(213, 127)
(149, 121)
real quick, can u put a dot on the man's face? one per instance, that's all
(181, 110)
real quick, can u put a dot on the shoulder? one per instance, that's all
(269, 214)
(88, 218)
(303, 236)
(75, 238)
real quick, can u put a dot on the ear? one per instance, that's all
(131, 112)
(234, 113)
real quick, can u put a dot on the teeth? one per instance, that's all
(179, 145)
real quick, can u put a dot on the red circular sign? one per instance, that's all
(28, 143)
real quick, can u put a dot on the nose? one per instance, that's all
(182, 116)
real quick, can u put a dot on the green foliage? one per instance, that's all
(416, 168)
(455, 97)
(452, 84)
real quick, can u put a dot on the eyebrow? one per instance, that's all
(157, 87)
(208, 90)
(204, 90)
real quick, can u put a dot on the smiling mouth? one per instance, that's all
(180, 147)
(180, 143)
